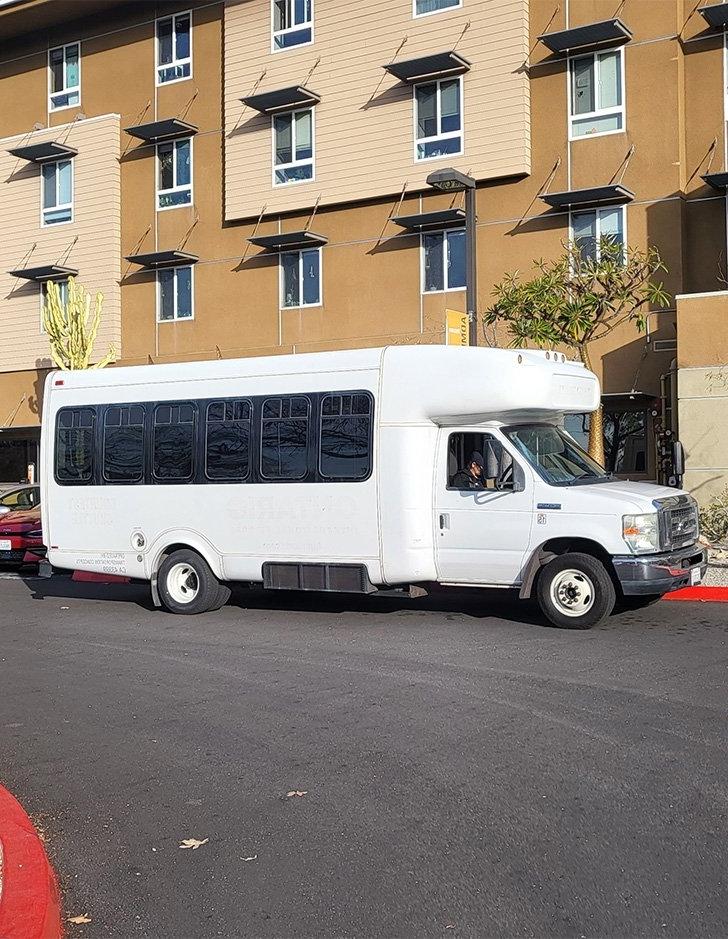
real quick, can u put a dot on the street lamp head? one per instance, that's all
(450, 180)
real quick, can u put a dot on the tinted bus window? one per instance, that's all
(124, 444)
(75, 445)
(284, 438)
(174, 441)
(345, 445)
(227, 439)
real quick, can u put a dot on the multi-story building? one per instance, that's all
(249, 177)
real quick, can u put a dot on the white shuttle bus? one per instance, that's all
(354, 471)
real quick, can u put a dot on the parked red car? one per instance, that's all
(21, 536)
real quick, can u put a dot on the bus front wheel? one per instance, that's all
(187, 585)
(575, 591)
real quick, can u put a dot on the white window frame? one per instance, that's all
(58, 205)
(599, 112)
(175, 188)
(449, 135)
(63, 280)
(294, 163)
(66, 88)
(176, 318)
(418, 16)
(290, 29)
(445, 261)
(174, 62)
(599, 211)
(281, 287)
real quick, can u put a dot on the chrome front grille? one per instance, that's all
(679, 524)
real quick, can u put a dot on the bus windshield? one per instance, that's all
(554, 455)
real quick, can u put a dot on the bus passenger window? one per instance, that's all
(75, 445)
(284, 438)
(174, 441)
(345, 447)
(227, 440)
(123, 459)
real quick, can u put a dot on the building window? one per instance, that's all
(174, 48)
(174, 174)
(63, 297)
(227, 440)
(75, 445)
(175, 294)
(173, 443)
(590, 229)
(346, 436)
(123, 444)
(438, 119)
(597, 94)
(301, 278)
(443, 261)
(292, 23)
(57, 192)
(293, 145)
(284, 438)
(423, 7)
(64, 77)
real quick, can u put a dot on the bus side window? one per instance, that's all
(345, 441)
(75, 445)
(227, 440)
(123, 444)
(173, 441)
(284, 437)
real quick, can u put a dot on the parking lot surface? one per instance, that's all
(458, 768)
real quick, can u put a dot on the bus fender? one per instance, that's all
(178, 540)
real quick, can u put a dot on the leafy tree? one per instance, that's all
(72, 327)
(578, 299)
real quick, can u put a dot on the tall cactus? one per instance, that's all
(72, 327)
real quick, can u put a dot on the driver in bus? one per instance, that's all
(471, 476)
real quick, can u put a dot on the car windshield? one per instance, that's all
(21, 498)
(554, 455)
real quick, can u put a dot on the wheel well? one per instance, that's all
(557, 546)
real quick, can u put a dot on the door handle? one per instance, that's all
(444, 521)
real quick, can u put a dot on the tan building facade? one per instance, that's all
(310, 127)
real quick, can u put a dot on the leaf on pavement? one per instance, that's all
(193, 843)
(296, 792)
(253, 858)
(79, 919)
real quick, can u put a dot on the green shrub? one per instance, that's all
(714, 518)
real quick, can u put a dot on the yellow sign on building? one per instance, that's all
(457, 328)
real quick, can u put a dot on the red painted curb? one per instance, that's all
(705, 594)
(30, 906)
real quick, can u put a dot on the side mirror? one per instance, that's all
(678, 458)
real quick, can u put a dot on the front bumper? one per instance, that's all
(659, 573)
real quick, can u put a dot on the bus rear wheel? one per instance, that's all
(575, 591)
(187, 585)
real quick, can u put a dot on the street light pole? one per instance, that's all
(452, 180)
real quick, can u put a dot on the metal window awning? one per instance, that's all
(156, 259)
(168, 129)
(289, 239)
(431, 220)
(716, 180)
(43, 152)
(715, 15)
(585, 198)
(282, 100)
(583, 38)
(439, 65)
(45, 272)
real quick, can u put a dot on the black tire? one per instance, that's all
(590, 588)
(186, 584)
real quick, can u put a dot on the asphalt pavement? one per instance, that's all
(463, 770)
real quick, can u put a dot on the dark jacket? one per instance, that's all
(463, 480)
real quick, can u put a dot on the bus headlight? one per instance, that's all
(642, 533)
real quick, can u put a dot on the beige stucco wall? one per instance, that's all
(364, 142)
(90, 243)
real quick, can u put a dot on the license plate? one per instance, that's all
(5, 545)
(695, 575)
